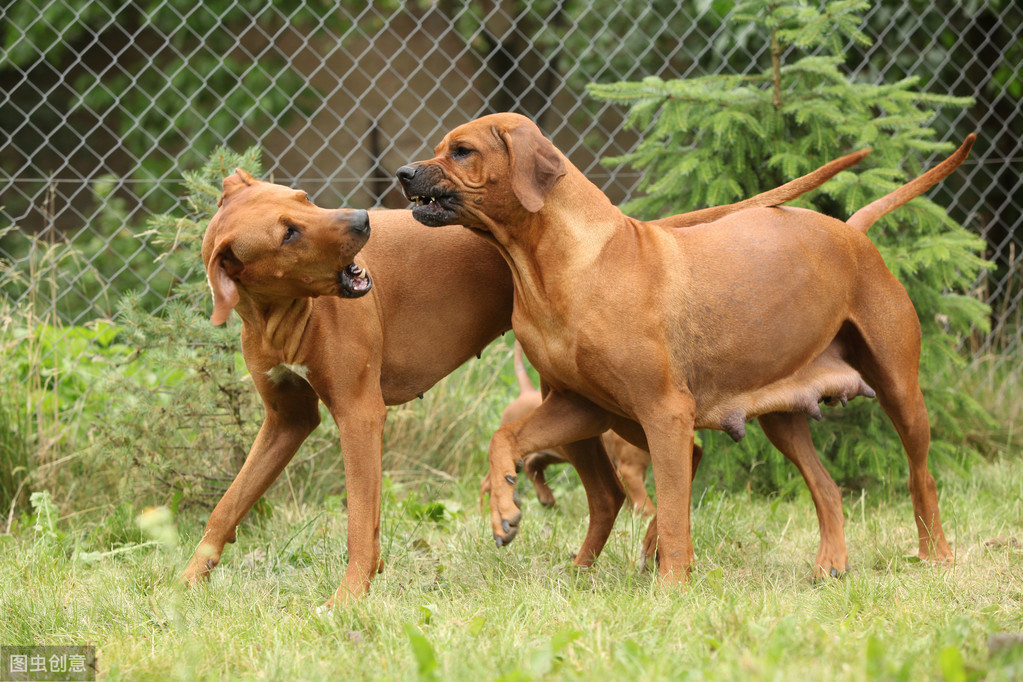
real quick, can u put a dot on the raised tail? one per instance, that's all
(772, 197)
(525, 385)
(872, 212)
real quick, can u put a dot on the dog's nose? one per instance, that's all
(406, 173)
(360, 221)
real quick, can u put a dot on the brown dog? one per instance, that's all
(437, 301)
(788, 435)
(269, 254)
(658, 332)
(629, 461)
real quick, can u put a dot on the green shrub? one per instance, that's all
(716, 139)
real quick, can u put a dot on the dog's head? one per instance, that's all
(273, 243)
(496, 169)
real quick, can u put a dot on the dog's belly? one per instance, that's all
(827, 379)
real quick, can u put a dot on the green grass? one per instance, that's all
(451, 606)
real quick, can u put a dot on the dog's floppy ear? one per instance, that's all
(536, 166)
(220, 273)
(234, 182)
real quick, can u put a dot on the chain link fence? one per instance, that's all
(103, 104)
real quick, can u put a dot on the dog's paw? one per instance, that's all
(506, 512)
(824, 575)
(198, 570)
(506, 526)
(509, 528)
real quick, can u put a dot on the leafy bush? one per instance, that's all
(50, 371)
(716, 139)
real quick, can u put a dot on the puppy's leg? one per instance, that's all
(562, 418)
(632, 463)
(790, 433)
(536, 464)
(603, 494)
(291, 415)
(484, 491)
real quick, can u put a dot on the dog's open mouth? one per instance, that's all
(434, 210)
(353, 281)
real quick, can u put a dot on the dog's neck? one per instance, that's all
(280, 324)
(556, 234)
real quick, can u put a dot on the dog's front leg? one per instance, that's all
(650, 539)
(670, 435)
(292, 413)
(362, 426)
(562, 418)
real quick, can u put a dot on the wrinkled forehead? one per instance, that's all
(472, 134)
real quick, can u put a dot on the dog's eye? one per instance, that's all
(460, 152)
(290, 234)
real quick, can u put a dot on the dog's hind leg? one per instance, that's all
(790, 433)
(535, 467)
(604, 494)
(885, 348)
(904, 404)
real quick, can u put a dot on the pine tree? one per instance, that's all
(717, 139)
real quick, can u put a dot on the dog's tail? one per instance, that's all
(772, 197)
(525, 385)
(872, 212)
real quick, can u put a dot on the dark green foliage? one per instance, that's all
(717, 139)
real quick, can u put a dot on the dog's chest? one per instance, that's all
(286, 371)
(548, 353)
(562, 357)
